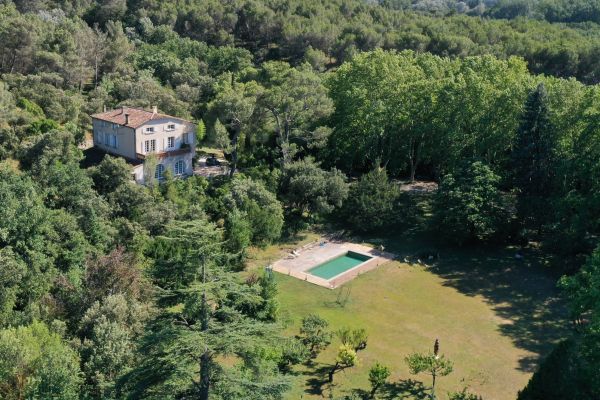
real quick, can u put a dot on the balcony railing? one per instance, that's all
(164, 154)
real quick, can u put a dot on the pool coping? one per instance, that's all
(378, 257)
(335, 257)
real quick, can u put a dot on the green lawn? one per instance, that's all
(494, 316)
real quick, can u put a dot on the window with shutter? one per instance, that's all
(179, 167)
(150, 146)
(159, 172)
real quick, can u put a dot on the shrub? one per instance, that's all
(263, 210)
(372, 202)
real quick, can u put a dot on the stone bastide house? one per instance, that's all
(134, 134)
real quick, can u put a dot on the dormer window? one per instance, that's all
(149, 129)
(171, 127)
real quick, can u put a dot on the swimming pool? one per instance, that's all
(339, 264)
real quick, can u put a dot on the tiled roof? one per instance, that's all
(137, 116)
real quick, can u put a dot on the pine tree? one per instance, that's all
(532, 160)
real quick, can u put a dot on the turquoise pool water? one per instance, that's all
(340, 264)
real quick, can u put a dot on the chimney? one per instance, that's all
(123, 109)
(104, 107)
(154, 110)
(126, 119)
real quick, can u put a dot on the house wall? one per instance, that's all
(161, 135)
(125, 145)
(184, 132)
(138, 173)
(131, 143)
(169, 163)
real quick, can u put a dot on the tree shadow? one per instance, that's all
(526, 299)
(319, 378)
(403, 389)
(520, 291)
(360, 394)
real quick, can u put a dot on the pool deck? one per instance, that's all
(301, 260)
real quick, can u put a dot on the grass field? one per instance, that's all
(494, 316)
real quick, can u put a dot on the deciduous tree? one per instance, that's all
(432, 364)
(378, 375)
(314, 334)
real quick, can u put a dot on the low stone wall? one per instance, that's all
(356, 271)
(305, 277)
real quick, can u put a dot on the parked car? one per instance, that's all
(212, 161)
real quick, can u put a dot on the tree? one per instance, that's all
(193, 273)
(98, 50)
(261, 207)
(27, 241)
(372, 202)
(463, 395)
(150, 163)
(107, 331)
(293, 352)
(268, 292)
(355, 338)
(296, 102)
(468, 205)
(309, 190)
(107, 10)
(235, 105)
(346, 358)
(238, 231)
(12, 272)
(532, 160)
(111, 173)
(431, 363)
(385, 110)
(564, 373)
(378, 375)
(405, 110)
(200, 131)
(314, 334)
(117, 272)
(571, 369)
(36, 363)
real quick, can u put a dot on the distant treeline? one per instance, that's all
(549, 10)
(330, 32)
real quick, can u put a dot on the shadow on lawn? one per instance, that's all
(318, 379)
(402, 389)
(520, 292)
(318, 385)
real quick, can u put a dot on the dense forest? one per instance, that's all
(115, 290)
(549, 10)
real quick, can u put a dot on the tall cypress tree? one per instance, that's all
(532, 159)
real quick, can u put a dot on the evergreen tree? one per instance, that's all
(184, 346)
(468, 205)
(532, 159)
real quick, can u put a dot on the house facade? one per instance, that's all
(135, 134)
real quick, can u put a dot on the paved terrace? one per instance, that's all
(300, 260)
